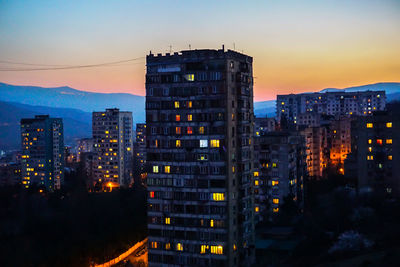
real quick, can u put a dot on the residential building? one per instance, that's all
(199, 118)
(140, 151)
(42, 160)
(84, 145)
(317, 150)
(112, 142)
(264, 125)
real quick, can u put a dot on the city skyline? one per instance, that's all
(297, 48)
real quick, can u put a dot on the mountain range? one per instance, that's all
(75, 107)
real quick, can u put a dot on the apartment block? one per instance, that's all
(42, 160)
(113, 146)
(199, 118)
(140, 151)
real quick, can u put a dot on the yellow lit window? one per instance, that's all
(189, 104)
(167, 220)
(211, 223)
(167, 169)
(128, 148)
(107, 132)
(234, 247)
(256, 182)
(177, 117)
(217, 250)
(275, 201)
(370, 149)
(155, 169)
(274, 165)
(256, 174)
(257, 209)
(275, 210)
(390, 157)
(370, 157)
(154, 244)
(274, 183)
(176, 104)
(203, 249)
(233, 169)
(178, 143)
(189, 117)
(369, 141)
(179, 247)
(218, 196)
(370, 125)
(389, 141)
(189, 77)
(201, 130)
(214, 143)
(168, 246)
(389, 125)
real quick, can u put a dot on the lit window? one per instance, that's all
(189, 104)
(178, 130)
(274, 183)
(256, 182)
(178, 117)
(167, 220)
(179, 247)
(274, 165)
(390, 157)
(168, 246)
(203, 249)
(178, 143)
(211, 223)
(275, 201)
(167, 169)
(155, 169)
(257, 209)
(201, 130)
(176, 104)
(189, 77)
(203, 143)
(189, 117)
(389, 141)
(217, 250)
(370, 157)
(154, 244)
(218, 196)
(389, 125)
(370, 125)
(189, 130)
(151, 193)
(369, 141)
(370, 149)
(233, 169)
(275, 210)
(379, 141)
(214, 143)
(256, 174)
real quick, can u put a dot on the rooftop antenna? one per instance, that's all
(190, 47)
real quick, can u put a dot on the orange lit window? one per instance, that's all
(389, 125)
(370, 125)
(370, 157)
(178, 130)
(274, 183)
(189, 117)
(178, 117)
(151, 194)
(257, 209)
(189, 130)
(379, 141)
(390, 157)
(275, 210)
(275, 201)
(389, 141)
(167, 169)
(217, 250)
(189, 104)
(154, 244)
(168, 246)
(201, 130)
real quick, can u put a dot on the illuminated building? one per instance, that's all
(42, 160)
(330, 103)
(113, 146)
(264, 125)
(317, 150)
(376, 153)
(200, 175)
(84, 145)
(282, 167)
(140, 151)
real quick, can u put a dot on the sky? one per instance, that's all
(297, 46)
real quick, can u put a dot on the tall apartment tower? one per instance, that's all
(199, 117)
(42, 161)
(140, 149)
(113, 146)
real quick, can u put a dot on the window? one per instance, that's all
(274, 165)
(275, 200)
(178, 130)
(256, 182)
(369, 141)
(217, 249)
(275, 183)
(189, 130)
(178, 143)
(155, 169)
(201, 130)
(168, 246)
(379, 141)
(189, 104)
(167, 169)
(256, 174)
(211, 223)
(388, 125)
(176, 104)
(179, 247)
(370, 149)
(202, 157)
(218, 196)
(275, 210)
(370, 125)
(167, 220)
(257, 209)
(203, 249)
(154, 244)
(189, 77)
(370, 157)
(189, 117)
(203, 143)
(389, 141)
(214, 143)
(390, 157)
(177, 117)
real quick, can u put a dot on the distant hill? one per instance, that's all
(77, 124)
(66, 97)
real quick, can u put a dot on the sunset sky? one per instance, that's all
(297, 46)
